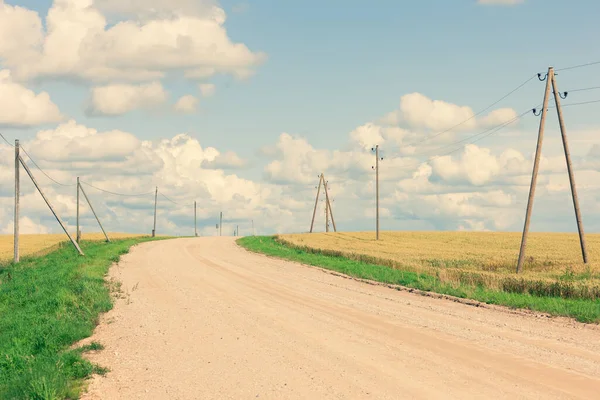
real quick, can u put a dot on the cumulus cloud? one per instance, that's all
(207, 89)
(72, 142)
(227, 160)
(186, 104)
(26, 227)
(79, 42)
(21, 107)
(119, 99)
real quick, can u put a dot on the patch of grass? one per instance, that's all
(46, 305)
(519, 295)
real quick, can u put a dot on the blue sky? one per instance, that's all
(332, 66)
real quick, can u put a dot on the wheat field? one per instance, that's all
(450, 255)
(32, 245)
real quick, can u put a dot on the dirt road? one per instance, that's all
(204, 319)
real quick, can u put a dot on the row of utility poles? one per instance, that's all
(19, 162)
(550, 79)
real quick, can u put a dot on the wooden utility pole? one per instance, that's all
(93, 211)
(50, 206)
(536, 165)
(376, 191)
(195, 224)
(326, 216)
(563, 133)
(78, 232)
(155, 200)
(329, 204)
(17, 200)
(221, 223)
(312, 223)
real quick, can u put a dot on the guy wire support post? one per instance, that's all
(94, 212)
(78, 232)
(563, 133)
(534, 174)
(155, 200)
(329, 204)
(376, 167)
(50, 206)
(312, 223)
(17, 199)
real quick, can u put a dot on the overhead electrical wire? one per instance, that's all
(578, 66)
(115, 193)
(474, 115)
(44, 172)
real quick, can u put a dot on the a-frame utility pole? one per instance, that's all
(551, 80)
(312, 223)
(330, 213)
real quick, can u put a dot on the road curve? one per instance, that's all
(202, 318)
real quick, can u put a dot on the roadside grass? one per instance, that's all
(583, 310)
(46, 305)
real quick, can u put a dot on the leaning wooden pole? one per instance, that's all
(17, 200)
(50, 206)
(312, 223)
(94, 212)
(536, 165)
(563, 133)
(78, 232)
(329, 205)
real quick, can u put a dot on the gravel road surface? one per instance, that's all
(202, 318)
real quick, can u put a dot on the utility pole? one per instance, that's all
(195, 223)
(155, 200)
(563, 133)
(312, 223)
(536, 165)
(221, 224)
(376, 167)
(237, 230)
(326, 216)
(17, 200)
(329, 204)
(26, 168)
(78, 233)
(94, 212)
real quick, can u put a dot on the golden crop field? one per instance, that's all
(452, 256)
(30, 245)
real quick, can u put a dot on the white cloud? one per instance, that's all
(80, 43)
(71, 142)
(186, 104)
(227, 160)
(207, 89)
(119, 99)
(26, 227)
(20, 107)
(419, 111)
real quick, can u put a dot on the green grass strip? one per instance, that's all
(580, 309)
(46, 305)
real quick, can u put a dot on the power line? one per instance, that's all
(578, 66)
(44, 172)
(171, 200)
(117, 194)
(474, 115)
(493, 130)
(7, 142)
(583, 89)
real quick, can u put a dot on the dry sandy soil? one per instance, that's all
(203, 319)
